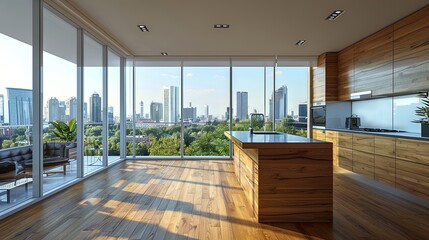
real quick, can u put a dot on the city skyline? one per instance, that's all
(242, 105)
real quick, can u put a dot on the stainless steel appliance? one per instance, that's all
(353, 122)
(318, 114)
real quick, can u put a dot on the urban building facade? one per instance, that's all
(242, 105)
(95, 108)
(171, 104)
(20, 105)
(156, 111)
(1, 108)
(280, 101)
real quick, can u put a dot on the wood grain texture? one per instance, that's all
(293, 184)
(385, 169)
(345, 158)
(411, 48)
(385, 146)
(363, 163)
(413, 177)
(324, 81)
(412, 150)
(345, 73)
(165, 199)
(319, 134)
(332, 136)
(345, 140)
(373, 63)
(363, 142)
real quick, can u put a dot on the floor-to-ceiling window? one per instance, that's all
(16, 102)
(157, 108)
(92, 104)
(206, 87)
(252, 84)
(59, 100)
(289, 102)
(114, 107)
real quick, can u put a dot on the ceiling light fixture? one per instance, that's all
(221, 26)
(334, 15)
(143, 28)
(164, 54)
(300, 42)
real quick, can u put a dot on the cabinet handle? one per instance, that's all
(420, 45)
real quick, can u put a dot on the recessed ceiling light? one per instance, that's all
(164, 54)
(221, 26)
(334, 15)
(300, 42)
(143, 28)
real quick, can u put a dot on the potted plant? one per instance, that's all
(66, 132)
(424, 113)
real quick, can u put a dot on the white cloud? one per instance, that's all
(279, 73)
(189, 75)
(219, 77)
(170, 75)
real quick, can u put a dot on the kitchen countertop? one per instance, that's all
(410, 135)
(267, 140)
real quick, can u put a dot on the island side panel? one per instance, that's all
(296, 183)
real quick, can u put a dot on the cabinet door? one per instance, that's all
(345, 140)
(411, 53)
(363, 163)
(373, 63)
(345, 73)
(318, 84)
(385, 169)
(345, 158)
(363, 142)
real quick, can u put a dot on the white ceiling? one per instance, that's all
(257, 27)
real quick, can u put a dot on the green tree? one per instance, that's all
(7, 144)
(165, 146)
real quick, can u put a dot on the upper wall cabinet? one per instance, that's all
(373, 63)
(411, 48)
(345, 73)
(324, 80)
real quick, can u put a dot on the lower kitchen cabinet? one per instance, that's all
(363, 163)
(385, 169)
(345, 158)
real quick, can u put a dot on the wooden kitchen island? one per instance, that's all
(286, 178)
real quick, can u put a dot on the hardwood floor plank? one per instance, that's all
(168, 199)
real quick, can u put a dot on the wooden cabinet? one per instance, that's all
(412, 150)
(332, 136)
(384, 160)
(411, 48)
(363, 142)
(345, 73)
(324, 80)
(373, 63)
(345, 158)
(363, 154)
(319, 134)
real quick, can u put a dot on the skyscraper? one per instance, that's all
(62, 111)
(242, 105)
(227, 114)
(71, 108)
(110, 115)
(20, 104)
(302, 112)
(190, 113)
(207, 114)
(95, 108)
(171, 104)
(85, 111)
(141, 109)
(53, 109)
(1, 108)
(155, 111)
(280, 103)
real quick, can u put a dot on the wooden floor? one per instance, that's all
(201, 200)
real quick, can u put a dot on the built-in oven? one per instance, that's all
(318, 113)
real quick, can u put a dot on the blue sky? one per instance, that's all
(202, 85)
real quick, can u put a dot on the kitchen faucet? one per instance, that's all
(251, 120)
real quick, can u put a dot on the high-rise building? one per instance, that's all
(85, 111)
(141, 109)
(190, 113)
(302, 112)
(156, 111)
(62, 111)
(20, 104)
(110, 115)
(280, 103)
(207, 113)
(1, 108)
(171, 104)
(227, 114)
(242, 105)
(95, 108)
(71, 108)
(53, 109)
